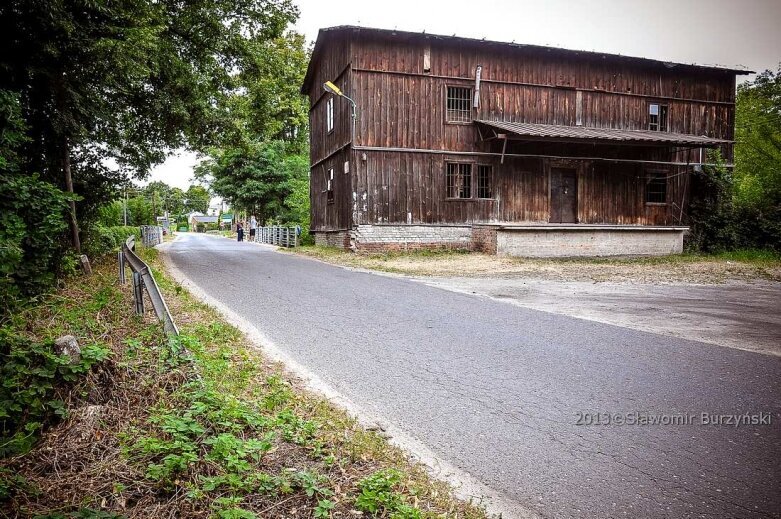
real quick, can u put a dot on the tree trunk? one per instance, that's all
(66, 170)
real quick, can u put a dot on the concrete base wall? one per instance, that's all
(410, 237)
(549, 242)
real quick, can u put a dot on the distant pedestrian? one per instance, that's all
(253, 226)
(240, 231)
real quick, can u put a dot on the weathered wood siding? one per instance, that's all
(402, 106)
(334, 215)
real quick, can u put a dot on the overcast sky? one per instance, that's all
(707, 32)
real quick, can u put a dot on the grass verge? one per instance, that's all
(745, 265)
(202, 426)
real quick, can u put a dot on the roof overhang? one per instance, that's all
(503, 130)
(328, 33)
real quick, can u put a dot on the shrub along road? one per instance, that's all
(500, 390)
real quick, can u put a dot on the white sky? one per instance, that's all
(708, 32)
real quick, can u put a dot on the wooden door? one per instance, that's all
(563, 195)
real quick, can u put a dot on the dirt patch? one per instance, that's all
(669, 269)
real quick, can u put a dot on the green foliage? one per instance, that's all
(757, 193)
(31, 226)
(197, 199)
(711, 212)
(257, 178)
(94, 83)
(378, 495)
(102, 240)
(31, 374)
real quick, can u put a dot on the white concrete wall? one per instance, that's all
(411, 236)
(552, 243)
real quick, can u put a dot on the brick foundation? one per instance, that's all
(340, 239)
(484, 238)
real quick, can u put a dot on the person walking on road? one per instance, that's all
(253, 227)
(239, 232)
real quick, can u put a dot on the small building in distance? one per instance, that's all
(202, 222)
(506, 148)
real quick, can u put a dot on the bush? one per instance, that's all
(102, 240)
(711, 212)
(32, 224)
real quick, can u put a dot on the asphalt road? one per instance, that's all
(497, 389)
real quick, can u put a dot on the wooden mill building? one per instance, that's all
(507, 148)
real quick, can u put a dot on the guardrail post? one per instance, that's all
(138, 292)
(121, 261)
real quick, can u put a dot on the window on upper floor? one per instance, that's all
(329, 114)
(656, 187)
(657, 117)
(459, 104)
(458, 179)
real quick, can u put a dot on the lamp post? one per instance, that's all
(330, 87)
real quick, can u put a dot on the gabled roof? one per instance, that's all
(329, 32)
(558, 133)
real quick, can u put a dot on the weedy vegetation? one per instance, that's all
(196, 426)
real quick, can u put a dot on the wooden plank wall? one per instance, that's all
(403, 187)
(336, 215)
(332, 66)
(401, 106)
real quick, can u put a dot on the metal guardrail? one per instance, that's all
(278, 235)
(142, 278)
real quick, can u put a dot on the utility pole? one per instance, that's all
(125, 207)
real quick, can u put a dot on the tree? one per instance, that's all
(126, 81)
(758, 160)
(256, 178)
(197, 199)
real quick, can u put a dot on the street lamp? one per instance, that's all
(330, 87)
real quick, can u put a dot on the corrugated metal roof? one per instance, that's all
(557, 132)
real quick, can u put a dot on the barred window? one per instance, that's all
(484, 180)
(459, 104)
(657, 117)
(656, 188)
(459, 180)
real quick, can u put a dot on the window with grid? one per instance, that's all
(484, 179)
(656, 188)
(459, 180)
(459, 104)
(657, 117)
(329, 114)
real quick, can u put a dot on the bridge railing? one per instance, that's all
(278, 235)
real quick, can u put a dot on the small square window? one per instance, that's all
(656, 188)
(329, 114)
(459, 104)
(657, 117)
(458, 180)
(484, 181)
